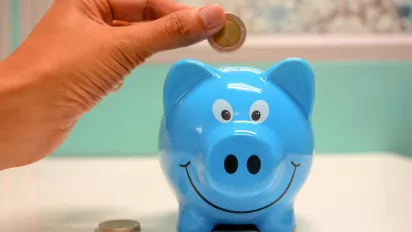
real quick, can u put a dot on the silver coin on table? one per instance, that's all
(231, 37)
(119, 226)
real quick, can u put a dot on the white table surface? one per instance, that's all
(344, 193)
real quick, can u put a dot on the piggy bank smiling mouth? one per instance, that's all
(186, 166)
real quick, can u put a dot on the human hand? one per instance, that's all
(79, 52)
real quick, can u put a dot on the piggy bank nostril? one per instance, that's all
(231, 164)
(253, 164)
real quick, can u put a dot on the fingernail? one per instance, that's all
(212, 16)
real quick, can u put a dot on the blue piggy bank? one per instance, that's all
(236, 143)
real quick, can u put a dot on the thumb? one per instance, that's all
(179, 29)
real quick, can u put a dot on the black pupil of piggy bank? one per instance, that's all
(226, 115)
(256, 115)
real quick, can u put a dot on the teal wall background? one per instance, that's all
(15, 29)
(360, 107)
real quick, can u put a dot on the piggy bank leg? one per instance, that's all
(190, 220)
(284, 222)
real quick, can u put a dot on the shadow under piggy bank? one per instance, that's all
(167, 223)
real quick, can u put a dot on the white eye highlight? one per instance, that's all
(259, 111)
(222, 111)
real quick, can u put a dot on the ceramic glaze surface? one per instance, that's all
(236, 143)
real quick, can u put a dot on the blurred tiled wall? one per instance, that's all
(260, 16)
(404, 8)
(319, 16)
(5, 37)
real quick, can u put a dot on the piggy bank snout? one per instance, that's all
(241, 164)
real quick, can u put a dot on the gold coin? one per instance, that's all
(231, 37)
(119, 226)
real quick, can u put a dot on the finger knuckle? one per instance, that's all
(127, 53)
(177, 26)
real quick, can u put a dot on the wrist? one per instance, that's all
(12, 113)
(25, 121)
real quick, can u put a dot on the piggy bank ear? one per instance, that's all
(183, 77)
(296, 78)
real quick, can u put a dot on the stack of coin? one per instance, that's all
(119, 226)
(231, 37)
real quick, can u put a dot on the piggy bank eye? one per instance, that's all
(259, 111)
(222, 111)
